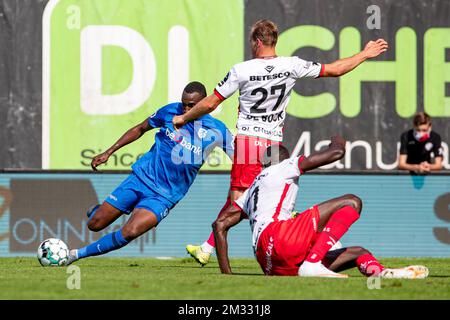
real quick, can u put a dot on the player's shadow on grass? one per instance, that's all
(214, 268)
(247, 274)
(189, 267)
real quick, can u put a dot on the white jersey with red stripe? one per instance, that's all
(265, 87)
(272, 195)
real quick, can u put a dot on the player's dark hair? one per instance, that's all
(274, 154)
(266, 31)
(421, 118)
(195, 86)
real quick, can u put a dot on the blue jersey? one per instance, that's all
(172, 163)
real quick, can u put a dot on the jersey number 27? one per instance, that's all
(263, 91)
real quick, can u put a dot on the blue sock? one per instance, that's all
(105, 244)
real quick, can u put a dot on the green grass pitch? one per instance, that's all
(139, 278)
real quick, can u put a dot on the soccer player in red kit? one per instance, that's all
(265, 84)
(300, 245)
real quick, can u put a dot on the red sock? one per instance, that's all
(335, 228)
(211, 241)
(368, 265)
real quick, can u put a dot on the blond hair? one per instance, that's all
(266, 31)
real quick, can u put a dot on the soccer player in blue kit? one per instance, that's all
(160, 178)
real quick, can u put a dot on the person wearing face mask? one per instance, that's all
(420, 148)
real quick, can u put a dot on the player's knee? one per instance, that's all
(95, 224)
(217, 225)
(130, 232)
(354, 201)
(359, 251)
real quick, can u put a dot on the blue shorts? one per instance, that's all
(133, 193)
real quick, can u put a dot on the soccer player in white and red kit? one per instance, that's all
(264, 84)
(300, 245)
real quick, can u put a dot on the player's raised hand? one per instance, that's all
(178, 122)
(338, 140)
(375, 48)
(99, 159)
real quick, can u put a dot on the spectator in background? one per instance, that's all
(420, 148)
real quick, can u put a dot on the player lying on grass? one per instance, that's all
(160, 178)
(264, 84)
(299, 245)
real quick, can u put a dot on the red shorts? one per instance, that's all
(248, 152)
(283, 245)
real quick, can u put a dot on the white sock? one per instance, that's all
(313, 263)
(206, 247)
(307, 263)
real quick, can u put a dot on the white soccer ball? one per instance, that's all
(53, 252)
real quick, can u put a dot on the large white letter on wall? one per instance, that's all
(93, 38)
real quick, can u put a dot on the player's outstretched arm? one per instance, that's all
(131, 135)
(229, 218)
(342, 66)
(403, 165)
(334, 152)
(205, 106)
